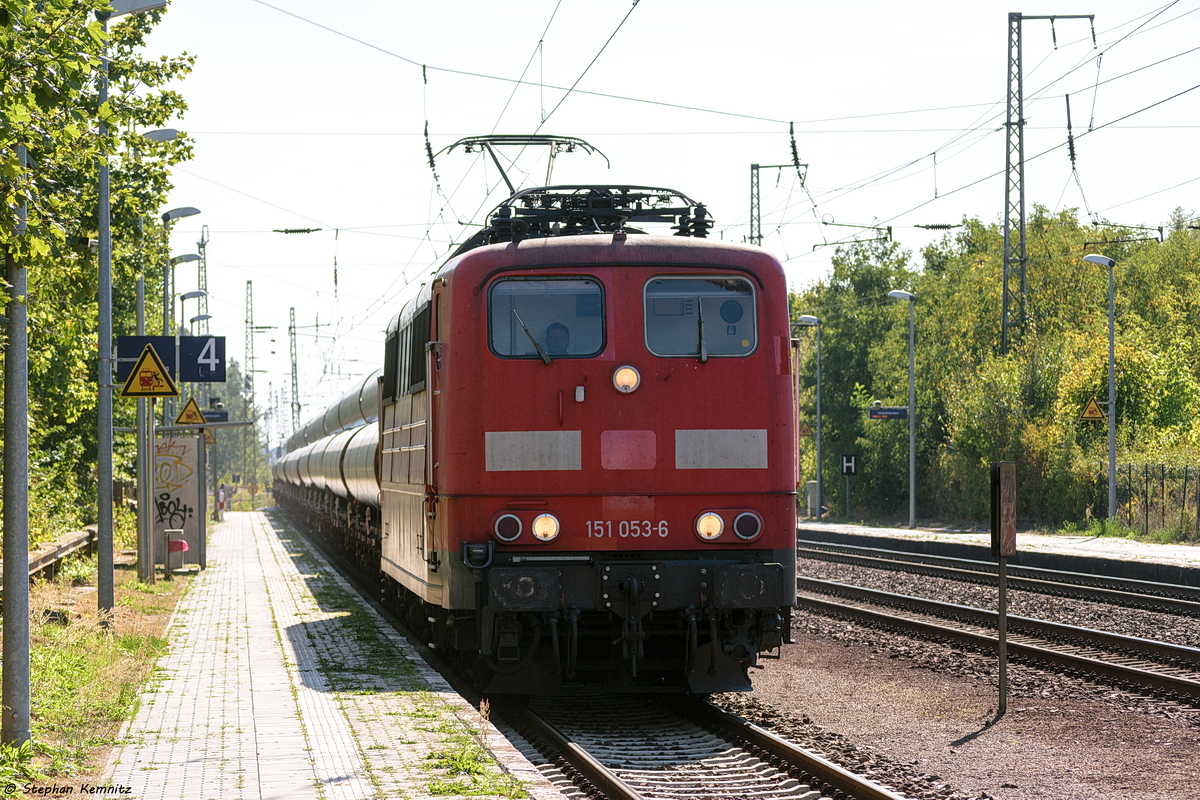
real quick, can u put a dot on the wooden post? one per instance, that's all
(1004, 545)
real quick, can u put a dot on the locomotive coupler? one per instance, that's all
(740, 645)
(573, 642)
(632, 630)
(693, 642)
(711, 613)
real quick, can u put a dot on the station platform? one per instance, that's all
(1099, 555)
(281, 682)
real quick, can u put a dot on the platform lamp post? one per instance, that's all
(1105, 261)
(810, 321)
(104, 407)
(900, 294)
(192, 295)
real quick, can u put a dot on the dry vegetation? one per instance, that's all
(85, 678)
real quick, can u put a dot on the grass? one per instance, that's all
(1116, 529)
(85, 678)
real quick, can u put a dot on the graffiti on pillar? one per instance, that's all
(172, 511)
(176, 492)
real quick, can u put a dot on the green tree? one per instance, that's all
(49, 107)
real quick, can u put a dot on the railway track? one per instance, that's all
(626, 747)
(1164, 669)
(631, 748)
(1173, 598)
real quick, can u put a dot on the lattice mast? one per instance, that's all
(202, 278)
(1015, 253)
(295, 377)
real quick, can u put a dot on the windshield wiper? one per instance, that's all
(703, 348)
(540, 351)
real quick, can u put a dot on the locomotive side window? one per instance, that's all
(564, 317)
(687, 316)
(405, 352)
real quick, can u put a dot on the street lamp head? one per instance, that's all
(176, 213)
(192, 295)
(200, 318)
(184, 259)
(808, 319)
(1102, 261)
(900, 294)
(161, 135)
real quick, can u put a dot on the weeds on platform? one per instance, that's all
(468, 768)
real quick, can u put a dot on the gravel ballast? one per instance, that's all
(923, 716)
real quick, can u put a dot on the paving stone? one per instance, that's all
(268, 689)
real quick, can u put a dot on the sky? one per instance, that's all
(312, 115)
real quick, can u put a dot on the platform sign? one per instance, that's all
(850, 464)
(1092, 411)
(887, 412)
(191, 414)
(130, 349)
(197, 359)
(202, 359)
(149, 377)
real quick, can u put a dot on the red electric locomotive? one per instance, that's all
(584, 451)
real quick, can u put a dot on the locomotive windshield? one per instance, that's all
(700, 317)
(546, 318)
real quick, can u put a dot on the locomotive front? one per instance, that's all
(608, 449)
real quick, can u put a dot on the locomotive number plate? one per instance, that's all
(626, 528)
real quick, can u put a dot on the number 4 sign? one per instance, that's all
(202, 359)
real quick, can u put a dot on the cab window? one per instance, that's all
(674, 309)
(564, 316)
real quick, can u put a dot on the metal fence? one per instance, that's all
(1155, 497)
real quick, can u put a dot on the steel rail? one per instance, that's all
(1180, 686)
(1185, 599)
(838, 779)
(599, 775)
(988, 619)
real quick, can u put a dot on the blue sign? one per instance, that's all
(200, 359)
(887, 412)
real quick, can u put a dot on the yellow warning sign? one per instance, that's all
(191, 414)
(208, 437)
(1092, 411)
(149, 377)
(805, 430)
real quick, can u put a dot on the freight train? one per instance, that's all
(575, 469)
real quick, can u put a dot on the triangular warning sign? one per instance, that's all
(208, 437)
(191, 414)
(805, 430)
(1092, 411)
(149, 377)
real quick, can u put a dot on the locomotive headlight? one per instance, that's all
(545, 527)
(507, 527)
(709, 526)
(747, 525)
(626, 379)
